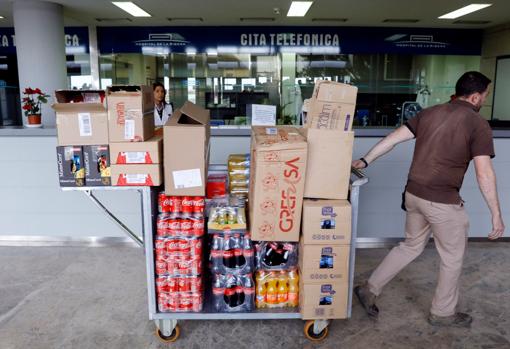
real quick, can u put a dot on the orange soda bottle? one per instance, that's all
(283, 289)
(272, 290)
(261, 289)
(293, 298)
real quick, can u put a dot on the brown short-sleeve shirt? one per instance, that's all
(447, 136)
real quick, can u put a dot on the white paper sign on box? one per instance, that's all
(187, 178)
(262, 115)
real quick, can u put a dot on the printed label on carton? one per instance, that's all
(129, 129)
(271, 131)
(187, 178)
(136, 178)
(85, 124)
(134, 157)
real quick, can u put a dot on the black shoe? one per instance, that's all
(455, 320)
(367, 300)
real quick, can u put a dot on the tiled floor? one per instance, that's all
(96, 298)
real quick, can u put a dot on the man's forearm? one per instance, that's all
(386, 144)
(487, 184)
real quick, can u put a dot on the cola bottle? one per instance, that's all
(230, 294)
(217, 254)
(218, 290)
(269, 255)
(240, 296)
(248, 252)
(249, 292)
(239, 260)
(228, 253)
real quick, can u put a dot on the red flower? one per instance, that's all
(28, 91)
(38, 91)
(26, 107)
(26, 99)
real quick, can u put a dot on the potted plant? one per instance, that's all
(32, 101)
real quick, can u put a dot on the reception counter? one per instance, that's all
(33, 204)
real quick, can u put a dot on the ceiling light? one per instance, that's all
(299, 8)
(464, 11)
(1, 17)
(131, 8)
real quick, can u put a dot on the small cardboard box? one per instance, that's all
(332, 106)
(71, 171)
(326, 222)
(277, 174)
(97, 165)
(186, 151)
(148, 152)
(130, 113)
(329, 163)
(323, 263)
(137, 175)
(326, 300)
(81, 117)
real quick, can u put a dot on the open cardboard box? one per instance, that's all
(186, 151)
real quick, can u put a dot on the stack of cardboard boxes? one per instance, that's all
(326, 228)
(136, 154)
(91, 136)
(82, 131)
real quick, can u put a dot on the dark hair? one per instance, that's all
(158, 84)
(471, 82)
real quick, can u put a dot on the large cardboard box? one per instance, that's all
(329, 163)
(277, 176)
(327, 300)
(326, 222)
(148, 152)
(137, 175)
(186, 151)
(323, 263)
(97, 165)
(81, 117)
(332, 106)
(130, 113)
(71, 172)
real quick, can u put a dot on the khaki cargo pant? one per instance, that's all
(449, 225)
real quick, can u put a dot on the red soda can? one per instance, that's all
(186, 227)
(187, 205)
(175, 204)
(184, 284)
(197, 226)
(185, 303)
(172, 245)
(198, 205)
(161, 267)
(172, 284)
(162, 225)
(184, 247)
(173, 302)
(196, 266)
(160, 248)
(163, 303)
(161, 284)
(195, 284)
(196, 247)
(174, 227)
(196, 299)
(183, 267)
(164, 203)
(172, 267)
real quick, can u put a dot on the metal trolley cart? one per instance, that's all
(167, 328)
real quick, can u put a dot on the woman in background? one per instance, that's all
(162, 109)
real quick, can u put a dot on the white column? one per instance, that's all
(94, 57)
(40, 49)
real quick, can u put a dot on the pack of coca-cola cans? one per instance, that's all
(181, 205)
(276, 255)
(179, 294)
(232, 254)
(178, 249)
(233, 293)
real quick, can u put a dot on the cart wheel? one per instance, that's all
(169, 339)
(311, 335)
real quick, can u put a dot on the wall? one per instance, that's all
(33, 204)
(496, 42)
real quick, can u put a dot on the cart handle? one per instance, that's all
(361, 177)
